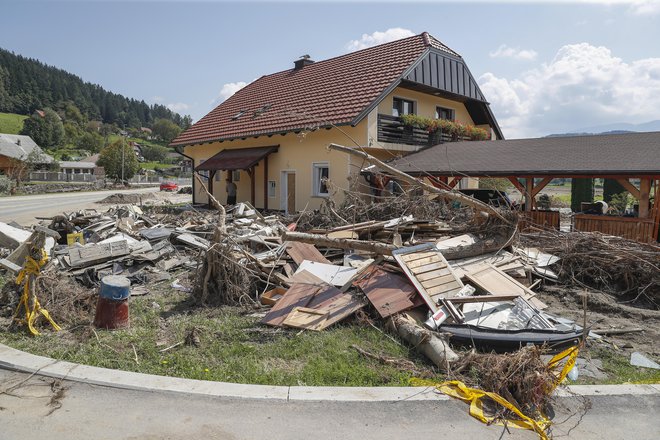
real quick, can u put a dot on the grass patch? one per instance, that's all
(234, 347)
(617, 366)
(11, 123)
(155, 165)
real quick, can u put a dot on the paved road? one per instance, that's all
(24, 209)
(30, 408)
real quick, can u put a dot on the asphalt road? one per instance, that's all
(36, 407)
(24, 209)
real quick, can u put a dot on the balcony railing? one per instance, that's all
(392, 130)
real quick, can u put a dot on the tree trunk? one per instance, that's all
(427, 342)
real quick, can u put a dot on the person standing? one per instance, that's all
(231, 192)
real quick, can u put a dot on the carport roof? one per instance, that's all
(236, 159)
(631, 154)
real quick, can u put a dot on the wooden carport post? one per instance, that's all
(265, 183)
(210, 184)
(252, 175)
(529, 193)
(644, 195)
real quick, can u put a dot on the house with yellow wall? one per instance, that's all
(270, 138)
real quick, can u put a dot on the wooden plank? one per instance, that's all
(96, 253)
(433, 267)
(388, 293)
(493, 280)
(417, 256)
(422, 262)
(300, 252)
(438, 281)
(298, 295)
(338, 307)
(306, 318)
(438, 290)
(433, 274)
(482, 298)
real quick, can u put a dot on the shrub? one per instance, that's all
(5, 185)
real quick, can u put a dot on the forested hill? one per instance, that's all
(27, 85)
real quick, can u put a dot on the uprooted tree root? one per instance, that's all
(520, 377)
(225, 277)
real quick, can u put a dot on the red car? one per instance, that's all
(169, 186)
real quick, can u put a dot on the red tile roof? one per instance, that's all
(333, 91)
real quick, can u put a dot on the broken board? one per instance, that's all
(300, 252)
(305, 318)
(96, 253)
(429, 272)
(299, 295)
(494, 281)
(388, 293)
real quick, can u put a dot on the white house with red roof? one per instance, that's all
(270, 137)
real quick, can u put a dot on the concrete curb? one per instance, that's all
(16, 360)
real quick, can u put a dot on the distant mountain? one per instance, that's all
(615, 128)
(27, 85)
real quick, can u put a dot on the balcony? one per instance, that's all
(391, 130)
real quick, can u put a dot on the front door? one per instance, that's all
(288, 194)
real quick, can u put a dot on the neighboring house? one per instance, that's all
(15, 147)
(271, 136)
(184, 163)
(81, 167)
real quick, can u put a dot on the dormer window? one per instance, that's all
(238, 115)
(402, 107)
(444, 113)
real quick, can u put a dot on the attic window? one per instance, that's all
(238, 115)
(261, 110)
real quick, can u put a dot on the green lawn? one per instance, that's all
(154, 165)
(234, 347)
(11, 123)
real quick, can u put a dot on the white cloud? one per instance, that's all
(582, 86)
(178, 107)
(376, 38)
(516, 53)
(158, 99)
(227, 90)
(645, 7)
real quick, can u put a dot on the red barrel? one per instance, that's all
(111, 314)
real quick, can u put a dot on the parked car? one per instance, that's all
(169, 186)
(490, 196)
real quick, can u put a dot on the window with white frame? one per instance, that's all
(271, 188)
(236, 175)
(402, 106)
(321, 174)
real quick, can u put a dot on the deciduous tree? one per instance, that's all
(111, 159)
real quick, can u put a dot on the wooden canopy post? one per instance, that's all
(210, 185)
(265, 183)
(644, 196)
(251, 173)
(539, 187)
(529, 190)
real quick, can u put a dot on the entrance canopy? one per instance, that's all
(236, 159)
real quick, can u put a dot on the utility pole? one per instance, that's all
(122, 158)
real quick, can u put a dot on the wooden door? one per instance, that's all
(290, 193)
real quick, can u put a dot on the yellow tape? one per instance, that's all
(473, 396)
(32, 267)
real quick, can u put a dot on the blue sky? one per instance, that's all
(545, 67)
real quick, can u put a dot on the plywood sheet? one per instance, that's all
(389, 293)
(300, 252)
(494, 281)
(306, 318)
(299, 295)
